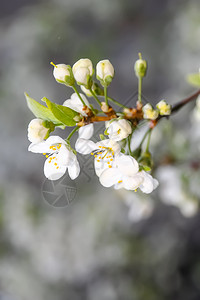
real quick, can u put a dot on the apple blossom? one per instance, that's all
(105, 72)
(83, 71)
(38, 130)
(118, 130)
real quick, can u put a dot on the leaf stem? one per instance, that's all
(106, 95)
(149, 138)
(140, 89)
(116, 102)
(72, 132)
(95, 96)
(77, 92)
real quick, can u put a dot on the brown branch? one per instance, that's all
(181, 103)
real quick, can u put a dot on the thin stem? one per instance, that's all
(72, 132)
(144, 137)
(95, 96)
(140, 89)
(129, 144)
(181, 103)
(106, 95)
(148, 141)
(116, 102)
(77, 92)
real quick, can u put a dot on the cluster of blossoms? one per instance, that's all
(115, 163)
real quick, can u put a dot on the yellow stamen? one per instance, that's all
(110, 166)
(47, 156)
(120, 181)
(57, 167)
(44, 153)
(111, 159)
(92, 153)
(55, 164)
(51, 63)
(108, 162)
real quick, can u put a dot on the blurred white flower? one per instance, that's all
(172, 191)
(82, 71)
(59, 158)
(118, 130)
(37, 131)
(105, 72)
(140, 206)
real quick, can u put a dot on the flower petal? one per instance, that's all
(65, 157)
(74, 169)
(84, 146)
(149, 183)
(132, 182)
(109, 177)
(52, 171)
(54, 139)
(41, 147)
(127, 164)
(86, 132)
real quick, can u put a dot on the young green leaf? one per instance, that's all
(40, 111)
(194, 79)
(62, 113)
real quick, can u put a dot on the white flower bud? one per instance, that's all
(164, 108)
(149, 112)
(83, 71)
(118, 130)
(37, 131)
(63, 74)
(105, 72)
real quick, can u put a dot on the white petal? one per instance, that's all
(101, 165)
(65, 157)
(149, 183)
(127, 164)
(41, 147)
(74, 169)
(86, 132)
(110, 177)
(132, 182)
(84, 146)
(54, 139)
(51, 171)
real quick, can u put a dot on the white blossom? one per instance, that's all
(59, 158)
(103, 152)
(125, 174)
(37, 132)
(118, 130)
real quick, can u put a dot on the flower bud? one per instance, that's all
(83, 71)
(63, 74)
(118, 130)
(38, 130)
(140, 67)
(149, 112)
(105, 72)
(164, 108)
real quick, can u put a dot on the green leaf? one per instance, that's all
(62, 113)
(194, 79)
(40, 111)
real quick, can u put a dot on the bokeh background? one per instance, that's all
(104, 245)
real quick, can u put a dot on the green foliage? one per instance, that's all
(194, 79)
(41, 111)
(64, 114)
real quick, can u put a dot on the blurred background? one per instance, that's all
(104, 245)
